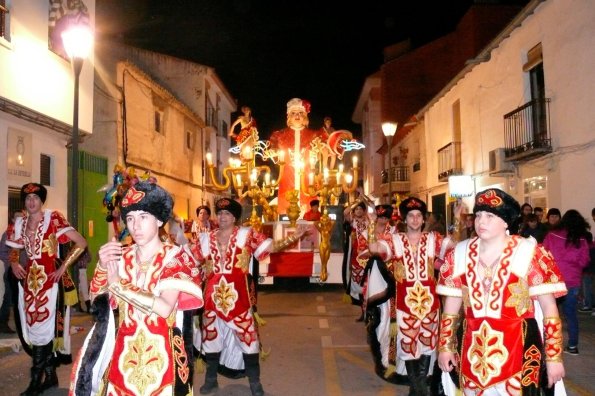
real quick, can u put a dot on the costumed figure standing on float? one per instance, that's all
(296, 141)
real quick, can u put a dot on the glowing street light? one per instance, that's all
(77, 40)
(389, 129)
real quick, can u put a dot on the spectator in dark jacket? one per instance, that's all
(534, 228)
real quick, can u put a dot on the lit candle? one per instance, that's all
(247, 152)
(282, 156)
(253, 177)
(348, 178)
(209, 158)
(325, 174)
(338, 175)
(311, 178)
(267, 179)
(340, 168)
(230, 160)
(238, 179)
(355, 161)
(312, 162)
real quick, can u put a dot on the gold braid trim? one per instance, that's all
(72, 255)
(284, 243)
(140, 299)
(552, 328)
(448, 333)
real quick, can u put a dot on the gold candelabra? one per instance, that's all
(327, 184)
(244, 176)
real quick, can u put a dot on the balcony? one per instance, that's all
(400, 182)
(449, 161)
(527, 131)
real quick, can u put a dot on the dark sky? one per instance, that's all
(269, 51)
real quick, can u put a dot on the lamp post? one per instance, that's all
(389, 129)
(77, 40)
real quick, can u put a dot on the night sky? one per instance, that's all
(269, 51)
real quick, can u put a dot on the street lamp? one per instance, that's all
(77, 40)
(389, 129)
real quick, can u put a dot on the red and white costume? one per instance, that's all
(417, 305)
(147, 355)
(500, 312)
(358, 243)
(43, 317)
(228, 309)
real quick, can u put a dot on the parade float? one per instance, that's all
(259, 173)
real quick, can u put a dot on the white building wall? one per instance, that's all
(498, 86)
(33, 78)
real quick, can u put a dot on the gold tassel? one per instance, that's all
(260, 321)
(199, 366)
(389, 370)
(264, 354)
(71, 298)
(393, 330)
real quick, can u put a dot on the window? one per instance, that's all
(534, 67)
(189, 139)
(158, 122)
(223, 131)
(535, 191)
(5, 19)
(14, 201)
(45, 170)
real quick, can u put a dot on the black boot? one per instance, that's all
(253, 373)
(412, 367)
(34, 388)
(436, 388)
(424, 380)
(51, 378)
(211, 384)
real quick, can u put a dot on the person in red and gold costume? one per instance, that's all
(295, 141)
(356, 216)
(45, 290)
(155, 287)
(247, 126)
(230, 339)
(314, 213)
(418, 307)
(379, 301)
(507, 287)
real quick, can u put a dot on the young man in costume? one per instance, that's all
(229, 328)
(46, 291)
(155, 286)
(506, 285)
(314, 213)
(417, 304)
(353, 269)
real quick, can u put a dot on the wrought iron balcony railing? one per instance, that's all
(527, 130)
(449, 161)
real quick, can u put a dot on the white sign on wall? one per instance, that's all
(19, 155)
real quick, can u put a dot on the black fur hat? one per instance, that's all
(205, 207)
(34, 188)
(230, 205)
(385, 211)
(150, 198)
(412, 203)
(498, 202)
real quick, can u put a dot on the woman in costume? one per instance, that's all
(155, 287)
(46, 291)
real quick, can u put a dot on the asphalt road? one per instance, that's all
(315, 345)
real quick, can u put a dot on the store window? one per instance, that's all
(535, 191)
